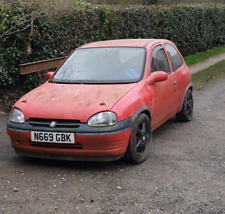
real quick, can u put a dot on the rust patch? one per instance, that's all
(40, 93)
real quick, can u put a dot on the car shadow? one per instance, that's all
(73, 165)
(171, 123)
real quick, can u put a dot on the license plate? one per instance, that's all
(52, 137)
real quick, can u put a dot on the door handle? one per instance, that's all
(174, 83)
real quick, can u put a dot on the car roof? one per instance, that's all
(121, 43)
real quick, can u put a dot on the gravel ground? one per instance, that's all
(185, 172)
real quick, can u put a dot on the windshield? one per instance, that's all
(102, 65)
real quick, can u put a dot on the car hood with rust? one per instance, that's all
(71, 101)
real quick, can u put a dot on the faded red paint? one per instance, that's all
(119, 43)
(71, 101)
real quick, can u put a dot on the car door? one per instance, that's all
(164, 93)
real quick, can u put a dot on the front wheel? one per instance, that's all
(139, 145)
(186, 113)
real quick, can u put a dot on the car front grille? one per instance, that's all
(36, 122)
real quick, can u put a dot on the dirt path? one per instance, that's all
(207, 63)
(184, 174)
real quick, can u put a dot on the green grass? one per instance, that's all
(202, 56)
(201, 78)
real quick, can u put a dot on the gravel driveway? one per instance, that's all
(185, 172)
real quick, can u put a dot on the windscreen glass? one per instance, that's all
(103, 65)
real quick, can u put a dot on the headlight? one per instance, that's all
(102, 119)
(16, 116)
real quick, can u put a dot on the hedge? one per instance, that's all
(27, 36)
(192, 28)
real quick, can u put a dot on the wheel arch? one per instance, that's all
(188, 87)
(143, 110)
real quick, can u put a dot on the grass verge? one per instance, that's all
(202, 56)
(201, 78)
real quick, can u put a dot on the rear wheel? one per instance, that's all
(186, 113)
(139, 144)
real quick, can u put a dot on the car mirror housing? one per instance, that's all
(49, 75)
(157, 76)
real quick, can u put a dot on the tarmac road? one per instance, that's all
(185, 172)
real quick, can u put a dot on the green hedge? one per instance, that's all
(11, 49)
(192, 28)
(51, 37)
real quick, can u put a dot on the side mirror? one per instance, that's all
(157, 76)
(49, 75)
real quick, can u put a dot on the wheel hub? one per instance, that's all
(143, 138)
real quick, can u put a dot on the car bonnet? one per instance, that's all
(71, 101)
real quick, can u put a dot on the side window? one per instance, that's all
(159, 60)
(174, 56)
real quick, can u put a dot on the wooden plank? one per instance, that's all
(40, 65)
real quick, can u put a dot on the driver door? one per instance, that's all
(164, 93)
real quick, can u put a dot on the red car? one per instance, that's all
(103, 102)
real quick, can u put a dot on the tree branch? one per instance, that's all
(22, 21)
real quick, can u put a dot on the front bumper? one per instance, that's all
(106, 143)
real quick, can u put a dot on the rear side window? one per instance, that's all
(159, 60)
(175, 58)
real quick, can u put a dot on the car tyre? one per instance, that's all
(186, 113)
(139, 144)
